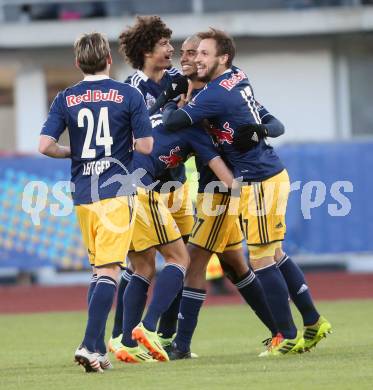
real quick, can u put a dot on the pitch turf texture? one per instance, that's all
(37, 352)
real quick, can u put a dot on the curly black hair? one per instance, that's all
(141, 38)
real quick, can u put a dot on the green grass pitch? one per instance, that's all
(37, 352)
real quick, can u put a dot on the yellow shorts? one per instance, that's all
(216, 228)
(263, 208)
(181, 208)
(154, 224)
(107, 228)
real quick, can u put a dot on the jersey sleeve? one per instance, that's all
(208, 103)
(201, 143)
(140, 122)
(263, 112)
(55, 124)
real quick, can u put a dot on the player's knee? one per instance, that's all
(279, 254)
(176, 252)
(143, 263)
(235, 264)
(110, 270)
(262, 255)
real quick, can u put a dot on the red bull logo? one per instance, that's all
(223, 135)
(94, 96)
(172, 160)
(228, 84)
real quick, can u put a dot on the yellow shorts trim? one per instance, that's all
(257, 252)
(154, 224)
(181, 208)
(107, 227)
(216, 223)
(263, 208)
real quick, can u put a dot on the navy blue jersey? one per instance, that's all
(206, 175)
(228, 102)
(151, 90)
(102, 117)
(172, 149)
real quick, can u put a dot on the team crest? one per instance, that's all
(172, 160)
(222, 135)
(150, 100)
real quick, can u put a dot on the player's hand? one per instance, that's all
(178, 86)
(182, 101)
(248, 136)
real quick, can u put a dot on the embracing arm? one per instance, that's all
(174, 118)
(274, 128)
(224, 174)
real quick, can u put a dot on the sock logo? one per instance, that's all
(302, 289)
(180, 316)
(279, 225)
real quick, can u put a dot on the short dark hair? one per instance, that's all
(141, 38)
(224, 43)
(91, 52)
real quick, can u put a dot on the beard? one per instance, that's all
(208, 77)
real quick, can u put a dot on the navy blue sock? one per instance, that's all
(91, 288)
(278, 299)
(98, 310)
(167, 286)
(168, 322)
(298, 289)
(190, 305)
(118, 318)
(100, 344)
(134, 301)
(252, 291)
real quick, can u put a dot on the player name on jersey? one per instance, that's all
(94, 96)
(95, 167)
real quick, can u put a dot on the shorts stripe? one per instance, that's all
(259, 221)
(217, 224)
(153, 204)
(130, 206)
(265, 213)
(154, 218)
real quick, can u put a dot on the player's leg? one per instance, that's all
(249, 287)
(316, 327)
(263, 206)
(116, 334)
(168, 284)
(193, 296)
(154, 227)
(134, 301)
(109, 223)
(181, 207)
(210, 234)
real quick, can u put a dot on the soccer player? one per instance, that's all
(146, 46)
(103, 117)
(204, 243)
(228, 101)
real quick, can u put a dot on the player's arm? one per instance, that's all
(273, 127)
(178, 86)
(144, 145)
(223, 173)
(208, 103)
(175, 119)
(140, 123)
(49, 147)
(52, 129)
(202, 144)
(248, 136)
